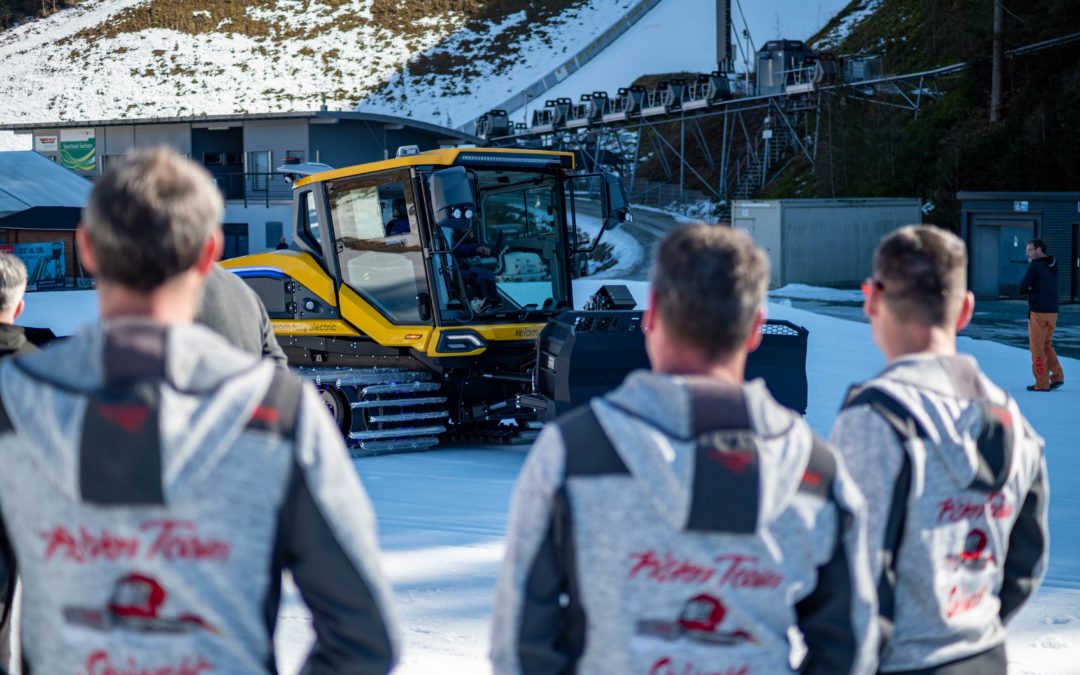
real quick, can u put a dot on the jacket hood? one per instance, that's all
(657, 422)
(1047, 260)
(186, 365)
(12, 338)
(969, 423)
(196, 358)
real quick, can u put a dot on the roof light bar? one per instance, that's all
(512, 159)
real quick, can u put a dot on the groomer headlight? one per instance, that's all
(460, 212)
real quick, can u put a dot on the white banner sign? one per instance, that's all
(49, 143)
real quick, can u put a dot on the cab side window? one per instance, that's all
(309, 221)
(379, 250)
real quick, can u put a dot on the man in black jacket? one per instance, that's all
(12, 290)
(12, 342)
(1040, 284)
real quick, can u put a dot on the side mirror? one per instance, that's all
(616, 208)
(453, 199)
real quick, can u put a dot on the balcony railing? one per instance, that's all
(254, 188)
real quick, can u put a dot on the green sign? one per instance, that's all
(79, 155)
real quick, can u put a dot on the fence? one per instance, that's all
(662, 195)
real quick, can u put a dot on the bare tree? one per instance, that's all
(998, 62)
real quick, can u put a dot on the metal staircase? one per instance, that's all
(760, 166)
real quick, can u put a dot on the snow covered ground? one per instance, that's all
(442, 514)
(625, 248)
(804, 292)
(858, 14)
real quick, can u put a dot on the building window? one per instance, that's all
(212, 159)
(309, 221)
(258, 169)
(236, 240)
(275, 230)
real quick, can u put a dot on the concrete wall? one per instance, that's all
(832, 242)
(118, 140)
(822, 242)
(351, 142)
(277, 136)
(256, 217)
(175, 136)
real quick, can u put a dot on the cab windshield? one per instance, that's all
(513, 259)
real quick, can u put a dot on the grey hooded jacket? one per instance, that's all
(701, 528)
(974, 539)
(156, 483)
(230, 308)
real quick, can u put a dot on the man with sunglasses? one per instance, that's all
(957, 519)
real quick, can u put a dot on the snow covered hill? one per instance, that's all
(441, 61)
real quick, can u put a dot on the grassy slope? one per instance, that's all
(869, 150)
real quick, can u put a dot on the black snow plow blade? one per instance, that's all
(585, 354)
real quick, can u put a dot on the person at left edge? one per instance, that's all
(158, 481)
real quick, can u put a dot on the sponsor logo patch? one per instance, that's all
(136, 604)
(701, 620)
(975, 555)
(735, 461)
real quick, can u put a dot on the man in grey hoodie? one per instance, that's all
(157, 481)
(958, 519)
(232, 310)
(687, 523)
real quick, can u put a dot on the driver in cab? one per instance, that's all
(479, 280)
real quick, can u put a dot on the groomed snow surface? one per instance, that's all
(442, 514)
